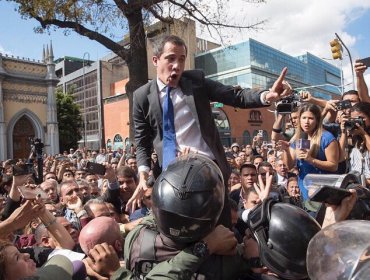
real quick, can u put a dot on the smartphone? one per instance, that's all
(19, 170)
(365, 61)
(330, 195)
(29, 192)
(95, 168)
(303, 144)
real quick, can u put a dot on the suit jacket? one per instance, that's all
(198, 92)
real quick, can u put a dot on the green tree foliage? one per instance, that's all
(69, 120)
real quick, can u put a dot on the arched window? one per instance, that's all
(117, 142)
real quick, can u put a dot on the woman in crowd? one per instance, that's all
(322, 156)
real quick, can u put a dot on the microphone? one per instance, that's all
(303, 143)
(79, 270)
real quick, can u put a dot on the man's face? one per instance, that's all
(70, 193)
(257, 161)
(50, 176)
(50, 190)
(263, 170)
(67, 175)
(80, 174)
(281, 168)
(91, 179)
(356, 114)
(352, 97)
(170, 64)
(85, 190)
(132, 164)
(69, 227)
(248, 178)
(127, 187)
(294, 119)
(251, 200)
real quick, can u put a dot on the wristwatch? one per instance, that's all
(200, 249)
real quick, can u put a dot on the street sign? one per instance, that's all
(218, 105)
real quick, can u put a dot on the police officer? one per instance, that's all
(187, 202)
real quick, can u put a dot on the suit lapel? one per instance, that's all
(187, 89)
(154, 104)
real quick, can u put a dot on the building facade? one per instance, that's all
(27, 105)
(256, 65)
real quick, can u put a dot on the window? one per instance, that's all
(255, 115)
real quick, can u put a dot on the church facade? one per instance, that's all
(28, 107)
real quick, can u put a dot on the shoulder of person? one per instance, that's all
(144, 88)
(194, 75)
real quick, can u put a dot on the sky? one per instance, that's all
(292, 26)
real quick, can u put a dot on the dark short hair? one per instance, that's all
(363, 107)
(265, 164)
(350, 92)
(126, 171)
(158, 44)
(247, 165)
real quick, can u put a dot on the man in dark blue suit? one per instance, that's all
(191, 95)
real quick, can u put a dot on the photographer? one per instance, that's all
(359, 155)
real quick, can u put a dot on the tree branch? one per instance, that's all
(92, 35)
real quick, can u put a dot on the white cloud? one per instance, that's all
(299, 26)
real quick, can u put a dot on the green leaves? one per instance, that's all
(69, 120)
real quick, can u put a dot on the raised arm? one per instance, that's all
(362, 89)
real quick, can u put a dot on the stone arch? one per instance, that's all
(35, 122)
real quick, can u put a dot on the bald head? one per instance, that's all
(100, 230)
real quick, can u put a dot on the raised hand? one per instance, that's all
(280, 88)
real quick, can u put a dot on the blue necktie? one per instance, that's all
(169, 135)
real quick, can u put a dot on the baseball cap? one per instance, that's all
(57, 267)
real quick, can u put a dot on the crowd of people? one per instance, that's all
(212, 213)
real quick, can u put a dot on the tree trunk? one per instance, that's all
(136, 61)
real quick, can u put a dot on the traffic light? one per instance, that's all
(336, 49)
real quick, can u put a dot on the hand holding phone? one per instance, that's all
(330, 195)
(95, 168)
(30, 191)
(365, 61)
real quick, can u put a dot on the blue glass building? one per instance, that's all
(253, 64)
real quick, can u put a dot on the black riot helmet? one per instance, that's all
(283, 232)
(188, 198)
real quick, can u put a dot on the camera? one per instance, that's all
(344, 104)
(287, 104)
(350, 124)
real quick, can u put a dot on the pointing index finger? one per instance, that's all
(282, 75)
